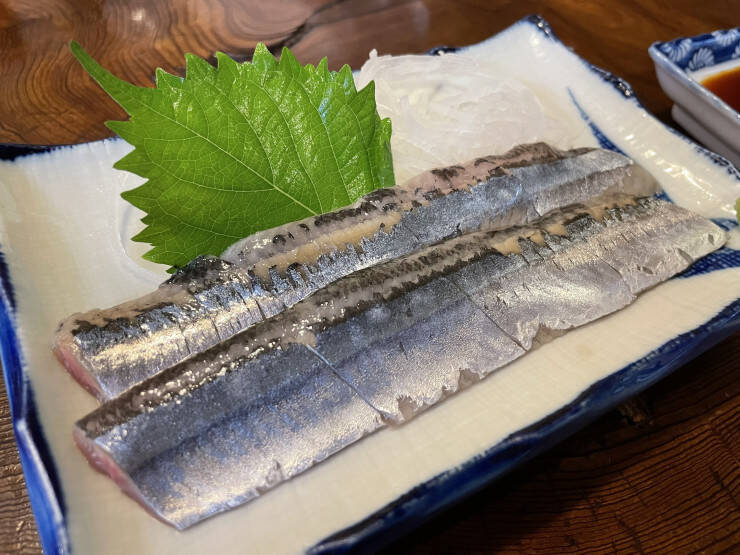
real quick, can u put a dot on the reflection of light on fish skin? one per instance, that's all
(138, 14)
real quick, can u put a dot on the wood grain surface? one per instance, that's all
(659, 474)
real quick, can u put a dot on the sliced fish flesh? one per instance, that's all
(375, 348)
(212, 298)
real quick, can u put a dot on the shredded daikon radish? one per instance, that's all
(448, 109)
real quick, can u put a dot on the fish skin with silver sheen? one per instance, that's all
(374, 349)
(212, 299)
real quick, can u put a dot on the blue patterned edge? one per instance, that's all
(424, 500)
(709, 49)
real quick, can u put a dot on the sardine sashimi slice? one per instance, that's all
(374, 349)
(212, 299)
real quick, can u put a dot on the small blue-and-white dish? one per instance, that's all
(681, 65)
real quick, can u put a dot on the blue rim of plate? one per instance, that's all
(430, 497)
(42, 479)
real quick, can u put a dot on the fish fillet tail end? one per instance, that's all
(101, 461)
(67, 352)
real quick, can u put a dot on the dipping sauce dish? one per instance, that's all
(701, 75)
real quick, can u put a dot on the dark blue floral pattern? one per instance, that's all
(703, 50)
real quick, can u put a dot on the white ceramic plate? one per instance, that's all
(64, 249)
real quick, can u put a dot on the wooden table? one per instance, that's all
(661, 473)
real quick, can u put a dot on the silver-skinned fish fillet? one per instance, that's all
(212, 299)
(374, 348)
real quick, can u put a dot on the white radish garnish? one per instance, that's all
(448, 109)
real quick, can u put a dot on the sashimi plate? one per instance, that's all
(65, 248)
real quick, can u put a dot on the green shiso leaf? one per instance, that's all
(238, 148)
